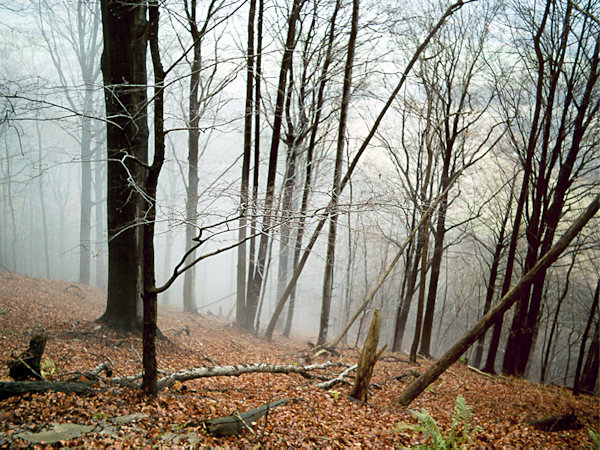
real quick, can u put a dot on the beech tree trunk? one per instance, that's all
(593, 349)
(255, 279)
(337, 176)
(244, 194)
(124, 71)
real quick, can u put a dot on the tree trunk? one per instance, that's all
(586, 378)
(149, 380)
(124, 71)
(420, 305)
(337, 176)
(500, 308)
(352, 166)
(367, 360)
(550, 342)
(255, 279)
(244, 194)
(491, 287)
(42, 200)
(436, 262)
(191, 201)
(589, 376)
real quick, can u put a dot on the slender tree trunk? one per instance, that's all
(42, 200)
(150, 376)
(255, 279)
(589, 375)
(191, 202)
(256, 169)
(244, 197)
(436, 262)
(550, 340)
(85, 223)
(337, 176)
(491, 287)
(420, 305)
(584, 381)
(99, 216)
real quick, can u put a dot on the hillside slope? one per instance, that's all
(317, 418)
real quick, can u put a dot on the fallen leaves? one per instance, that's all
(320, 418)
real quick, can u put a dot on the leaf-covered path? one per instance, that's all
(318, 418)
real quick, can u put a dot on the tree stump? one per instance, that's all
(368, 358)
(28, 364)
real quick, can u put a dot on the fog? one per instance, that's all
(52, 94)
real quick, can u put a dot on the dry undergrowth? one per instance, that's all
(317, 419)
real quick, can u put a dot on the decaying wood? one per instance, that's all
(407, 375)
(18, 388)
(368, 358)
(233, 371)
(480, 372)
(28, 364)
(237, 422)
(93, 374)
(341, 378)
(556, 423)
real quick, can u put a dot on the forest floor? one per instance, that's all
(116, 416)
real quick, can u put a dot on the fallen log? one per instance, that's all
(229, 371)
(18, 388)
(556, 423)
(237, 422)
(341, 378)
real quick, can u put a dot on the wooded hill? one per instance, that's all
(503, 408)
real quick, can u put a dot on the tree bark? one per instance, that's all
(368, 358)
(589, 367)
(421, 301)
(255, 279)
(124, 71)
(244, 194)
(337, 176)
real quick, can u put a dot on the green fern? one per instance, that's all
(595, 437)
(463, 413)
(457, 437)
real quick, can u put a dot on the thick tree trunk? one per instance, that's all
(124, 71)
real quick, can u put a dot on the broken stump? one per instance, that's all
(27, 365)
(368, 358)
